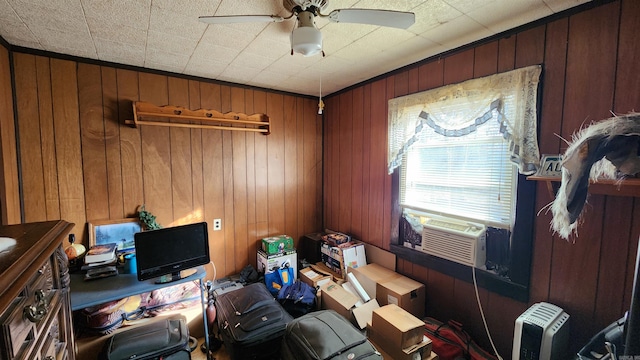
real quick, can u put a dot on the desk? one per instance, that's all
(99, 291)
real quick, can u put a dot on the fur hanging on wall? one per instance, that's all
(608, 149)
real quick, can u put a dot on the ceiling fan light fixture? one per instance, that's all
(306, 40)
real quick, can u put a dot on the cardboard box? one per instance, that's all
(404, 292)
(370, 275)
(277, 244)
(338, 258)
(269, 263)
(363, 314)
(376, 255)
(418, 351)
(314, 278)
(398, 326)
(334, 297)
(324, 269)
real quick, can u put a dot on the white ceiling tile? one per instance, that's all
(226, 36)
(191, 8)
(7, 13)
(167, 35)
(128, 13)
(498, 16)
(171, 43)
(110, 50)
(283, 67)
(252, 60)
(199, 67)
(220, 53)
(177, 24)
(432, 14)
(270, 79)
(160, 56)
(383, 38)
(250, 8)
(70, 6)
(44, 17)
(164, 67)
(465, 6)
(561, 5)
(85, 52)
(341, 4)
(18, 33)
(457, 32)
(61, 38)
(100, 28)
(238, 74)
(23, 42)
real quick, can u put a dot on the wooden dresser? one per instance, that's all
(35, 307)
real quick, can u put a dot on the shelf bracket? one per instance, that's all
(145, 113)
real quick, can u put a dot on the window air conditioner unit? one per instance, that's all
(455, 240)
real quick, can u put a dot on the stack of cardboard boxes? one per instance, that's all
(374, 297)
(382, 287)
(389, 287)
(278, 261)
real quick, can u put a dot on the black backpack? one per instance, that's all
(298, 298)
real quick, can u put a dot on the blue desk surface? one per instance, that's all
(85, 293)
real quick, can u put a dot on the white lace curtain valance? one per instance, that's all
(458, 109)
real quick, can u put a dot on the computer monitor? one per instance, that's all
(170, 254)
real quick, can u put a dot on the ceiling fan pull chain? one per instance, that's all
(320, 102)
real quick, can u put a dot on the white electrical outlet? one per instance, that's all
(217, 224)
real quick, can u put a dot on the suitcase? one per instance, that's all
(251, 323)
(166, 339)
(324, 335)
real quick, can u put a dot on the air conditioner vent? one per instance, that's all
(454, 240)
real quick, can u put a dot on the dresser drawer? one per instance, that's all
(52, 340)
(18, 333)
(29, 315)
(35, 319)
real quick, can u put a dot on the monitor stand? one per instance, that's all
(175, 276)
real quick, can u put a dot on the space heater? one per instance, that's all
(454, 240)
(541, 332)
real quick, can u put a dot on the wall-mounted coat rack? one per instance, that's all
(145, 113)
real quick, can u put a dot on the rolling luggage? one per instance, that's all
(324, 335)
(251, 323)
(166, 339)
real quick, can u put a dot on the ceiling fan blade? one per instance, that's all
(235, 19)
(389, 18)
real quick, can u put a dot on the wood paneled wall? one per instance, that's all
(79, 162)
(9, 186)
(591, 62)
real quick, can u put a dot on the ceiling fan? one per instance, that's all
(306, 39)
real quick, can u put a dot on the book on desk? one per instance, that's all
(101, 253)
(100, 261)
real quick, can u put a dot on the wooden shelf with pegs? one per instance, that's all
(145, 113)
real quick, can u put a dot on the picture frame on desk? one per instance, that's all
(119, 231)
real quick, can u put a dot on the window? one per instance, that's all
(471, 176)
(458, 150)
